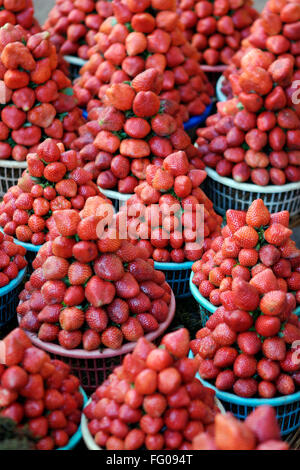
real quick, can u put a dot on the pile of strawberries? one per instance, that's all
(260, 431)
(39, 393)
(53, 181)
(166, 215)
(38, 99)
(19, 12)
(133, 129)
(255, 136)
(73, 25)
(216, 28)
(251, 243)
(90, 289)
(152, 400)
(12, 259)
(250, 343)
(145, 34)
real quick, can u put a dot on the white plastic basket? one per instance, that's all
(219, 93)
(118, 199)
(10, 172)
(75, 64)
(225, 193)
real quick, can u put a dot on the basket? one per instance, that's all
(194, 122)
(31, 251)
(213, 72)
(76, 438)
(219, 93)
(287, 407)
(206, 308)
(10, 172)
(177, 276)
(75, 64)
(93, 367)
(9, 298)
(89, 440)
(225, 193)
(118, 199)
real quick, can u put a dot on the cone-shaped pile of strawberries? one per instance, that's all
(91, 291)
(39, 393)
(249, 345)
(73, 25)
(131, 130)
(152, 400)
(141, 35)
(255, 136)
(12, 259)
(167, 214)
(260, 431)
(216, 28)
(53, 181)
(37, 98)
(19, 12)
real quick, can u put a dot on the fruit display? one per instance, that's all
(142, 35)
(12, 259)
(132, 129)
(216, 28)
(38, 99)
(91, 288)
(53, 181)
(19, 12)
(255, 246)
(167, 212)
(152, 400)
(73, 25)
(260, 431)
(38, 393)
(249, 345)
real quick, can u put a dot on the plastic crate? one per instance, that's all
(118, 199)
(177, 276)
(93, 367)
(206, 308)
(219, 93)
(10, 172)
(225, 193)
(287, 407)
(76, 438)
(75, 64)
(9, 298)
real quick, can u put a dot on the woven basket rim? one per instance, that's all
(76, 438)
(13, 284)
(219, 93)
(252, 188)
(213, 68)
(81, 354)
(13, 164)
(75, 60)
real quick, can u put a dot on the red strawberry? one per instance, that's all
(245, 295)
(127, 287)
(14, 378)
(71, 319)
(223, 335)
(91, 340)
(245, 387)
(273, 303)
(159, 309)
(118, 311)
(67, 222)
(148, 322)
(74, 295)
(53, 292)
(109, 267)
(176, 163)
(162, 180)
(177, 343)
(87, 228)
(7, 397)
(263, 423)
(85, 251)
(112, 337)
(277, 234)
(34, 360)
(152, 290)
(96, 318)
(149, 80)
(132, 329)
(66, 188)
(34, 387)
(274, 348)
(48, 332)
(264, 281)
(269, 255)
(79, 273)
(257, 214)
(55, 268)
(231, 434)
(246, 237)
(141, 270)
(139, 304)
(69, 339)
(99, 292)
(235, 219)
(55, 172)
(282, 218)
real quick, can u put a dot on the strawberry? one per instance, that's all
(162, 180)
(66, 222)
(151, 289)
(99, 292)
(139, 304)
(274, 348)
(14, 378)
(84, 251)
(141, 270)
(112, 337)
(264, 281)
(34, 387)
(246, 237)
(176, 163)
(245, 387)
(148, 322)
(96, 319)
(69, 339)
(235, 219)
(48, 332)
(273, 303)
(34, 360)
(127, 287)
(177, 343)
(282, 218)
(87, 228)
(149, 80)
(74, 295)
(63, 247)
(53, 292)
(269, 255)
(79, 273)
(55, 268)
(54, 172)
(91, 340)
(132, 329)
(71, 319)
(257, 214)
(109, 267)
(223, 335)
(118, 311)
(245, 295)
(231, 434)
(277, 234)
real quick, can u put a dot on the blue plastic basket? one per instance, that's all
(85, 113)
(9, 298)
(206, 308)
(194, 122)
(76, 438)
(287, 407)
(177, 276)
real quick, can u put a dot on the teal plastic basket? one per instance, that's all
(206, 308)
(118, 199)
(177, 276)
(287, 407)
(76, 438)
(219, 93)
(9, 298)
